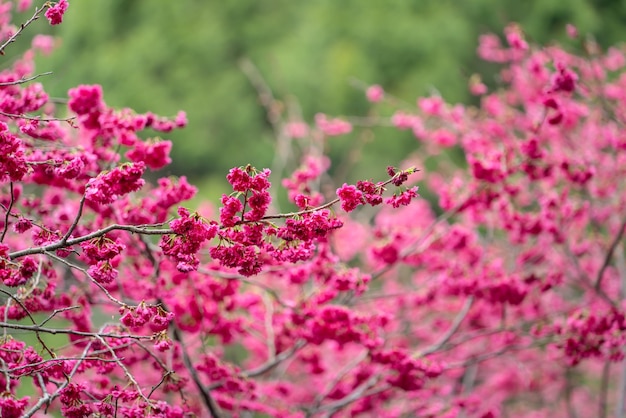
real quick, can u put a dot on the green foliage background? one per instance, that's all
(169, 55)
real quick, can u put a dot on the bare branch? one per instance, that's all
(358, 393)
(76, 220)
(609, 254)
(23, 26)
(37, 118)
(24, 80)
(8, 213)
(127, 373)
(453, 328)
(94, 281)
(37, 328)
(141, 229)
(210, 403)
(275, 361)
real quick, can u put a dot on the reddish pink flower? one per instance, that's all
(55, 13)
(350, 197)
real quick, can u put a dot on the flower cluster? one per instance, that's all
(503, 285)
(366, 192)
(332, 127)
(191, 231)
(109, 186)
(55, 13)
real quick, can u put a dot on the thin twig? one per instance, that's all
(604, 390)
(586, 281)
(94, 281)
(127, 373)
(58, 360)
(355, 395)
(48, 398)
(37, 118)
(210, 403)
(141, 229)
(451, 331)
(332, 202)
(76, 220)
(340, 375)
(609, 254)
(21, 28)
(30, 316)
(37, 328)
(24, 80)
(57, 311)
(284, 355)
(163, 378)
(8, 213)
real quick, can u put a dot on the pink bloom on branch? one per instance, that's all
(23, 5)
(477, 87)
(156, 154)
(10, 407)
(71, 168)
(572, 31)
(102, 272)
(12, 162)
(107, 187)
(564, 80)
(55, 13)
(403, 120)
(403, 199)
(180, 121)
(296, 130)
(433, 106)
(85, 99)
(350, 197)
(332, 127)
(375, 93)
(43, 43)
(22, 225)
(515, 38)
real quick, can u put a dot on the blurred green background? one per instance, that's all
(164, 56)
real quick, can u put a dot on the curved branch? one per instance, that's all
(142, 229)
(23, 26)
(609, 254)
(454, 328)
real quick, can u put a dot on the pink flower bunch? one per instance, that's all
(99, 253)
(85, 100)
(55, 13)
(155, 154)
(332, 127)
(299, 185)
(107, 187)
(13, 165)
(366, 192)
(504, 286)
(190, 233)
(11, 407)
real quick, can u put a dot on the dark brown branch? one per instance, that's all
(210, 403)
(75, 223)
(609, 254)
(8, 213)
